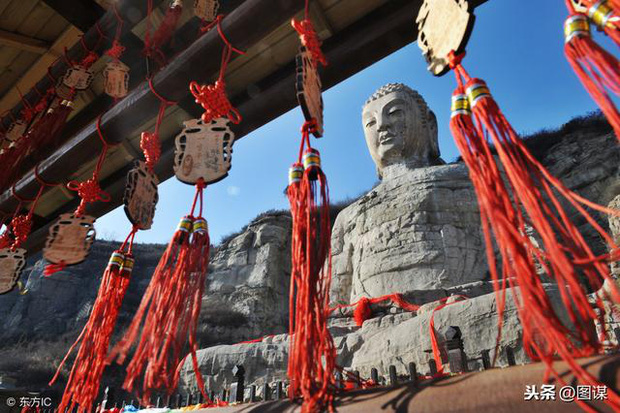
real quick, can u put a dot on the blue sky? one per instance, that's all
(518, 50)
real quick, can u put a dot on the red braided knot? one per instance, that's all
(214, 101)
(149, 143)
(5, 240)
(89, 59)
(89, 191)
(310, 39)
(116, 50)
(21, 225)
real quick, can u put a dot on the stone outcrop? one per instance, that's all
(245, 297)
(392, 339)
(417, 231)
(248, 284)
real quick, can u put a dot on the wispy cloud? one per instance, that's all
(233, 190)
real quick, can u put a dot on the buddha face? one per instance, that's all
(395, 132)
(387, 125)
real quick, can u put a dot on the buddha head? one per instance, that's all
(400, 128)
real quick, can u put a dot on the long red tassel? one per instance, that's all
(597, 69)
(94, 340)
(312, 353)
(170, 309)
(154, 42)
(564, 255)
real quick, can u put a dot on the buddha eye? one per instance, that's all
(395, 111)
(371, 123)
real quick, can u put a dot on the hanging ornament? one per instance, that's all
(153, 42)
(141, 196)
(312, 353)
(78, 77)
(203, 151)
(84, 380)
(16, 130)
(206, 9)
(518, 196)
(69, 240)
(169, 311)
(308, 86)
(116, 79)
(63, 91)
(12, 262)
(598, 70)
(443, 26)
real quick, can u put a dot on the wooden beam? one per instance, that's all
(132, 12)
(82, 14)
(38, 70)
(349, 51)
(21, 42)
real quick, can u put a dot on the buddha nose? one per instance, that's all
(382, 123)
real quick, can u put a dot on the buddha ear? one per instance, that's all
(433, 136)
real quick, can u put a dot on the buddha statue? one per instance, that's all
(418, 231)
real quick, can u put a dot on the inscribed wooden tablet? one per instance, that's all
(141, 196)
(206, 9)
(308, 86)
(70, 239)
(203, 151)
(116, 79)
(443, 26)
(78, 78)
(11, 265)
(16, 130)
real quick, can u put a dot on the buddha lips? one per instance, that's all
(169, 312)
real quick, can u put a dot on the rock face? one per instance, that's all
(248, 284)
(418, 230)
(62, 302)
(588, 163)
(245, 297)
(392, 339)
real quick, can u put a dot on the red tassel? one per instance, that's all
(564, 256)
(153, 43)
(51, 269)
(85, 377)
(597, 69)
(312, 353)
(170, 309)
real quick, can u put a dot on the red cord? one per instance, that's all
(213, 97)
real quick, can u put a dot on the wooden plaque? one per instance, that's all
(308, 86)
(16, 130)
(11, 265)
(78, 77)
(206, 9)
(141, 196)
(203, 151)
(443, 26)
(116, 79)
(70, 239)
